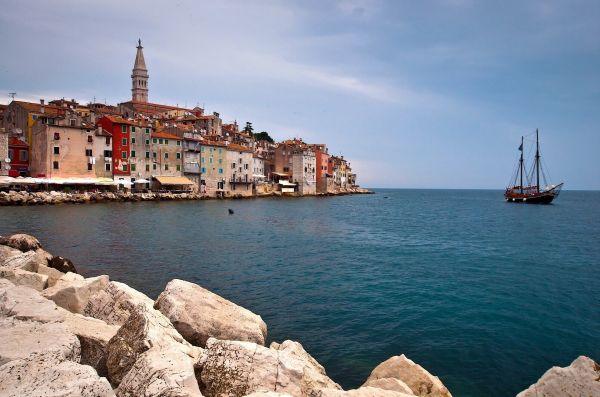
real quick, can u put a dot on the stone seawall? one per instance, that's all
(63, 334)
(38, 198)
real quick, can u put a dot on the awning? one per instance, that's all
(6, 179)
(286, 183)
(142, 181)
(173, 180)
(280, 174)
(258, 176)
(105, 181)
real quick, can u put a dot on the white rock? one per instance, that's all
(581, 378)
(21, 338)
(74, 295)
(361, 392)
(22, 277)
(199, 314)
(268, 394)
(93, 335)
(114, 302)
(160, 372)
(25, 261)
(421, 382)
(146, 328)
(43, 375)
(52, 274)
(389, 384)
(236, 368)
(22, 242)
(8, 252)
(24, 303)
(70, 276)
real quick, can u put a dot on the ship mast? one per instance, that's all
(537, 160)
(521, 165)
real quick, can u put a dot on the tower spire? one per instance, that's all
(139, 76)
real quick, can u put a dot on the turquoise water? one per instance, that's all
(486, 295)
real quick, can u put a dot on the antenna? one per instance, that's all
(12, 95)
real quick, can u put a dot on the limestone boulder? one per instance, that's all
(61, 264)
(389, 384)
(93, 335)
(20, 338)
(29, 261)
(70, 276)
(146, 328)
(115, 302)
(199, 314)
(237, 368)
(314, 377)
(581, 378)
(361, 392)
(52, 274)
(22, 242)
(268, 394)
(74, 295)
(24, 303)
(7, 252)
(45, 375)
(160, 372)
(22, 277)
(421, 382)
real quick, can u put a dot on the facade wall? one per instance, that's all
(102, 150)
(140, 159)
(120, 131)
(213, 160)
(322, 165)
(239, 170)
(166, 155)
(304, 172)
(62, 152)
(3, 152)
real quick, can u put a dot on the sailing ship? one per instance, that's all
(525, 187)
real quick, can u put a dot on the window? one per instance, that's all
(220, 170)
(56, 150)
(161, 141)
(55, 165)
(154, 140)
(88, 152)
(203, 170)
(56, 136)
(90, 138)
(245, 166)
(72, 122)
(132, 141)
(166, 167)
(10, 154)
(202, 160)
(210, 160)
(108, 153)
(107, 167)
(153, 154)
(124, 167)
(166, 155)
(220, 150)
(178, 167)
(147, 141)
(147, 155)
(166, 141)
(220, 161)
(89, 166)
(133, 153)
(178, 143)
(147, 130)
(233, 166)
(210, 149)
(178, 154)
(132, 129)
(123, 128)
(23, 155)
(202, 149)
(286, 169)
(133, 167)
(147, 167)
(108, 140)
(123, 155)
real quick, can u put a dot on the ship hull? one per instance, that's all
(532, 199)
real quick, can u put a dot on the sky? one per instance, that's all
(415, 94)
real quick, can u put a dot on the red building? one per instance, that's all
(18, 153)
(322, 166)
(120, 129)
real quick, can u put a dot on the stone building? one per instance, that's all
(192, 156)
(139, 77)
(20, 117)
(304, 171)
(3, 152)
(239, 169)
(166, 154)
(213, 159)
(322, 165)
(102, 151)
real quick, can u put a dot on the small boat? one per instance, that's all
(525, 187)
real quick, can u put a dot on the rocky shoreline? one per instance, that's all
(63, 334)
(39, 198)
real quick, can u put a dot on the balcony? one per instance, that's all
(240, 180)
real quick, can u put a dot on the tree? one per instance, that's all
(248, 129)
(263, 136)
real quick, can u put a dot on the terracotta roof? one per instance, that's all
(238, 148)
(166, 135)
(213, 143)
(49, 110)
(154, 107)
(121, 120)
(103, 132)
(14, 141)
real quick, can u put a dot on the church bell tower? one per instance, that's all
(139, 77)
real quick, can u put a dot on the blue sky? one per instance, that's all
(429, 94)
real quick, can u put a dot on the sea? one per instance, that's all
(485, 294)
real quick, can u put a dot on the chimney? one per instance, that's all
(42, 102)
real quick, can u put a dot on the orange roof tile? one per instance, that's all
(238, 148)
(166, 135)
